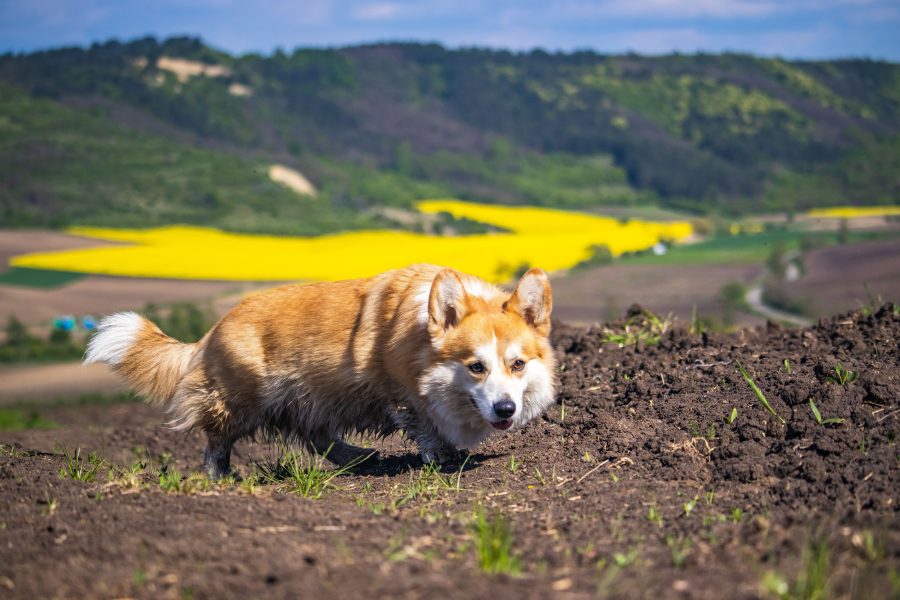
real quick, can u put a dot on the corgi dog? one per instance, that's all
(444, 356)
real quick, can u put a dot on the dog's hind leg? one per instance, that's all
(217, 458)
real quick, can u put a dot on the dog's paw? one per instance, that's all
(445, 456)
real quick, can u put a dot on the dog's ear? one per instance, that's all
(533, 300)
(446, 302)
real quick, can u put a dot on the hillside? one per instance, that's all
(174, 131)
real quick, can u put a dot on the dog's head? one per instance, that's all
(494, 366)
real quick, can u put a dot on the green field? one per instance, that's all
(750, 248)
(38, 278)
(14, 419)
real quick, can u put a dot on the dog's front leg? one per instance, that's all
(432, 445)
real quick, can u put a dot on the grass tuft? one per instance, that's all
(812, 581)
(428, 482)
(646, 327)
(80, 468)
(295, 472)
(493, 544)
(842, 376)
(170, 481)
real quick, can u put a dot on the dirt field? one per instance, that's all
(603, 293)
(98, 295)
(836, 277)
(633, 486)
(47, 382)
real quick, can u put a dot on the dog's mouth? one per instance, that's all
(498, 425)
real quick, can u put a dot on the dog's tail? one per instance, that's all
(149, 360)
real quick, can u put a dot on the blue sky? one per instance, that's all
(789, 28)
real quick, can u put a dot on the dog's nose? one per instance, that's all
(505, 408)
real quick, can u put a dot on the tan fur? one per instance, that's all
(316, 362)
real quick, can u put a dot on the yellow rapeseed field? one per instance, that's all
(849, 212)
(551, 239)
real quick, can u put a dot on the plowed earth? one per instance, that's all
(634, 485)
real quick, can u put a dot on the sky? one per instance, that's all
(807, 29)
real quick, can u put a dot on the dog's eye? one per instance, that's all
(476, 367)
(518, 365)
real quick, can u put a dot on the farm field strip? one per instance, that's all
(553, 239)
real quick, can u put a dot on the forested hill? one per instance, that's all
(389, 124)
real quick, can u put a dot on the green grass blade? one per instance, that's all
(758, 392)
(815, 411)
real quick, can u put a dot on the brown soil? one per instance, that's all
(95, 294)
(602, 293)
(55, 381)
(629, 487)
(22, 241)
(836, 277)
(98, 295)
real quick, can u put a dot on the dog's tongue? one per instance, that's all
(504, 424)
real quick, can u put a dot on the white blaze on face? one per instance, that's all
(498, 384)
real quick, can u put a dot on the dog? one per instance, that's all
(442, 355)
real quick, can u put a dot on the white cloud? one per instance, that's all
(376, 12)
(690, 39)
(672, 9)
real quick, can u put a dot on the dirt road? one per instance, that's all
(37, 383)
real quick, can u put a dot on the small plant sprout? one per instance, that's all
(493, 544)
(51, 503)
(679, 547)
(623, 560)
(586, 457)
(787, 366)
(842, 376)
(758, 392)
(697, 327)
(654, 516)
(562, 411)
(540, 476)
(731, 416)
(80, 468)
(514, 465)
(872, 548)
(818, 416)
(688, 506)
(736, 515)
(710, 497)
(812, 580)
(170, 480)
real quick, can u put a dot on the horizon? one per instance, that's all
(450, 48)
(806, 30)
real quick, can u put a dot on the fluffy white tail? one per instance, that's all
(151, 362)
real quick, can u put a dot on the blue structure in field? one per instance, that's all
(70, 323)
